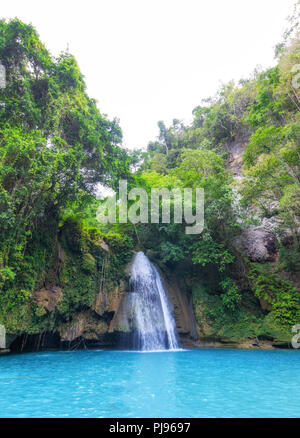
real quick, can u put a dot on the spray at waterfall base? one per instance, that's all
(148, 320)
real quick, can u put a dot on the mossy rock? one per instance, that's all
(89, 263)
(215, 321)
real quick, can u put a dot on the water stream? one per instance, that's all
(152, 320)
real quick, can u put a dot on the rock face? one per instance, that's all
(47, 298)
(109, 315)
(235, 151)
(100, 324)
(258, 243)
(109, 301)
(183, 307)
(120, 321)
(85, 325)
(2, 337)
(96, 326)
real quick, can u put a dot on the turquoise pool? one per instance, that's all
(188, 383)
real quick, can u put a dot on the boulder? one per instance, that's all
(258, 242)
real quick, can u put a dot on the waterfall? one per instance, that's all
(151, 318)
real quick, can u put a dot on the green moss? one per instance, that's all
(271, 328)
(89, 263)
(218, 321)
(248, 322)
(283, 298)
(28, 272)
(86, 264)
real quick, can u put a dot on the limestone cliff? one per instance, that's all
(99, 317)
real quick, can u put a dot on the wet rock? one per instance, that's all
(183, 308)
(109, 300)
(73, 330)
(85, 325)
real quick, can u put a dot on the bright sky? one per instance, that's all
(150, 60)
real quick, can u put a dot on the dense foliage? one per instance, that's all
(55, 147)
(264, 110)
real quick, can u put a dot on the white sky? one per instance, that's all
(150, 60)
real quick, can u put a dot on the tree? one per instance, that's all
(55, 146)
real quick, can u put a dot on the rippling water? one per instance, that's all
(188, 383)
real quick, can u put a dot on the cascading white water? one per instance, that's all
(152, 321)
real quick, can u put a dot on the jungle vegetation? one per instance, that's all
(56, 147)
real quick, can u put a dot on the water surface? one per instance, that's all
(189, 383)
